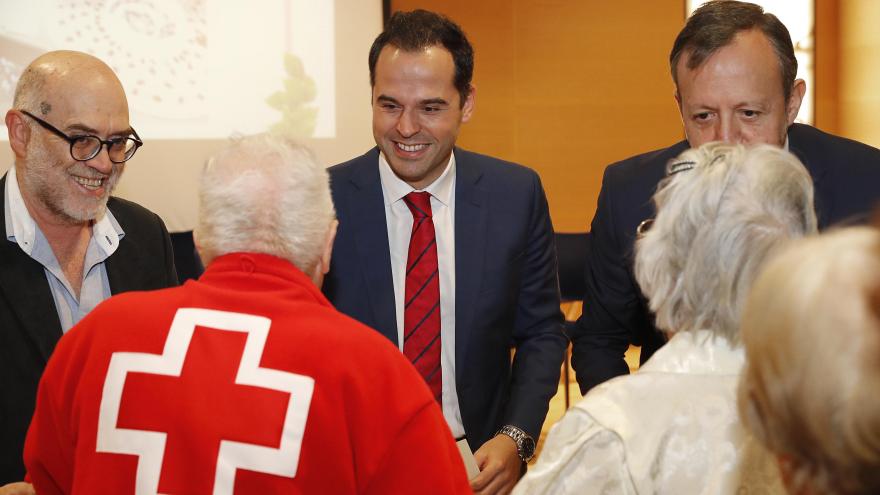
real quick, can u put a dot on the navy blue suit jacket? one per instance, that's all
(846, 175)
(506, 289)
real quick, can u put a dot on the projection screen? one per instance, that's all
(199, 71)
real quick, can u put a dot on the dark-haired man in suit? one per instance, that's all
(734, 69)
(448, 253)
(68, 245)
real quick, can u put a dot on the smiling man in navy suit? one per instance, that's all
(448, 253)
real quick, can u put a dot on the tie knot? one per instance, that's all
(419, 204)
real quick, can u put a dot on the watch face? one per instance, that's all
(528, 446)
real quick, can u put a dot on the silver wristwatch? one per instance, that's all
(525, 444)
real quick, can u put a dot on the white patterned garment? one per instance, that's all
(670, 428)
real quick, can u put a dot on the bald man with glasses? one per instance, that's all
(68, 244)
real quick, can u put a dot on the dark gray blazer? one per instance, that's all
(29, 325)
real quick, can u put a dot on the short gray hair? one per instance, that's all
(720, 211)
(265, 194)
(29, 91)
(811, 330)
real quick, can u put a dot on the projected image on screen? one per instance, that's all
(192, 69)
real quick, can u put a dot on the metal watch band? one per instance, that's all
(525, 444)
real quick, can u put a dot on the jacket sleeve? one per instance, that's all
(49, 448)
(538, 334)
(580, 457)
(612, 305)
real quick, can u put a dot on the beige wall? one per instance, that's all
(568, 87)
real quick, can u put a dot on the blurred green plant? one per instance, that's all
(298, 115)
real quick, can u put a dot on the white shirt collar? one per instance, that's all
(21, 227)
(394, 188)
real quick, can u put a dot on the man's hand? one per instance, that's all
(499, 465)
(19, 488)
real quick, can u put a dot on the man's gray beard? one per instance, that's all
(70, 215)
(54, 197)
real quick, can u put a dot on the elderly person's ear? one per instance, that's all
(323, 265)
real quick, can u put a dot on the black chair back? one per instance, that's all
(571, 251)
(186, 259)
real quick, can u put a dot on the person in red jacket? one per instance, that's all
(246, 380)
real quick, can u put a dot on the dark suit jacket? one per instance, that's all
(506, 290)
(846, 175)
(29, 324)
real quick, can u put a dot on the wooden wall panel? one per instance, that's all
(827, 67)
(568, 87)
(859, 99)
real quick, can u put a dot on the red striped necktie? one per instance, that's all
(421, 313)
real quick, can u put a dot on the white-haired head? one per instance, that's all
(265, 194)
(808, 392)
(720, 211)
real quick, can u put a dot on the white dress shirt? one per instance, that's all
(399, 220)
(95, 286)
(670, 428)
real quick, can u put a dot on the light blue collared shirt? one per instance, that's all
(24, 231)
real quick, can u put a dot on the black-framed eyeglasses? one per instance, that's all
(87, 146)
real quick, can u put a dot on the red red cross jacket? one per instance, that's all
(245, 381)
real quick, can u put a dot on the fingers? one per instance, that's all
(481, 457)
(20, 488)
(486, 476)
(501, 483)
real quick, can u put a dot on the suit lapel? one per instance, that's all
(471, 222)
(26, 291)
(366, 207)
